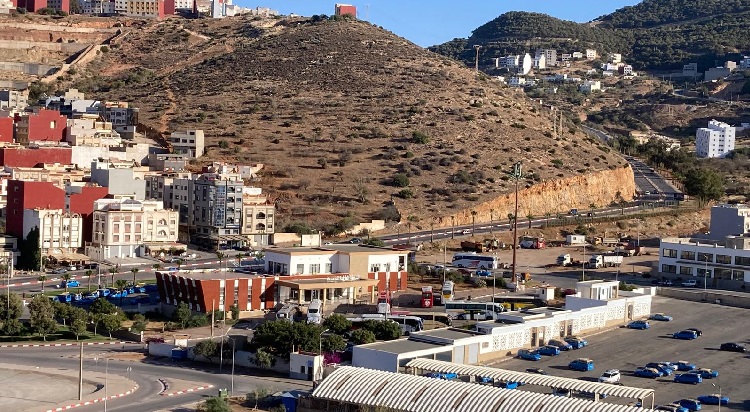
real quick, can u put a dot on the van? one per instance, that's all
(286, 312)
(315, 311)
(582, 365)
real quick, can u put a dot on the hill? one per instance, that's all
(346, 116)
(653, 35)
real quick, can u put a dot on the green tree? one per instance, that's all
(400, 180)
(235, 310)
(530, 217)
(383, 330)
(113, 272)
(77, 324)
(139, 323)
(215, 404)
(207, 348)
(332, 343)
(10, 312)
(89, 273)
(62, 311)
(705, 184)
(102, 306)
(263, 359)
(41, 280)
(182, 314)
(111, 322)
(257, 395)
(31, 255)
(120, 284)
(362, 336)
(337, 324)
(66, 278)
(280, 336)
(42, 316)
(134, 271)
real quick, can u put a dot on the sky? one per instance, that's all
(431, 22)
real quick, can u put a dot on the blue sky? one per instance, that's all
(430, 22)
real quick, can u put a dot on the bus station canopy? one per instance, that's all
(409, 393)
(328, 283)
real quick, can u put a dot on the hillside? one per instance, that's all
(345, 116)
(653, 35)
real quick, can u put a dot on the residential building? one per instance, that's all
(579, 55)
(508, 62)
(161, 186)
(79, 199)
(566, 57)
(729, 220)
(716, 140)
(14, 99)
(217, 211)
(125, 227)
(540, 61)
(44, 125)
(7, 129)
(29, 195)
(690, 70)
(745, 62)
(627, 70)
(257, 217)
(517, 81)
(615, 58)
(120, 178)
(589, 86)
(120, 114)
(610, 67)
(716, 73)
(88, 130)
(6, 6)
(32, 6)
(190, 143)
(591, 54)
(732, 66)
(59, 232)
(60, 5)
(345, 10)
(168, 162)
(711, 263)
(145, 8)
(235, 170)
(550, 56)
(55, 173)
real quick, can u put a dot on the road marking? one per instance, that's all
(199, 388)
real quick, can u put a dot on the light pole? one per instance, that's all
(705, 274)
(718, 386)
(106, 386)
(320, 353)
(517, 176)
(583, 264)
(231, 392)
(221, 349)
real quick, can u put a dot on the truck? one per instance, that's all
(384, 302)
(605, 241)
(628, 249)
(428, 297)
(567, 260)
(468, 246)
(601, 261)
(531, 242)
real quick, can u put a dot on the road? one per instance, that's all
(147, 397)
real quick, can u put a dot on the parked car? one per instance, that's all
(582, 365)
(466, 232)
(507, 385)
(662, 367)
(529, 355)
(576, 342)
(685, 335)
(665, 282)
(549, 350)
(647, 373)
(483, 273)
(537, 371)
(610, 376)
(639, 324)
(91, 266)
(70, 284)
(696, 330)
(561, 344)
(60, 271)
(567, 393)
(72, 267)
(714, 399)
(444, 376)
(706, 373)
(732, 347)
(660, 317)
(690, 283)
(672, 407)
(690, 404)
(684, 366)
(692, 378)
(355, 240)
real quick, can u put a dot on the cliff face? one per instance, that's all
(554, 196)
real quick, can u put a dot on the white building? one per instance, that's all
(340, 258)
(508, 62)
(540, 61)
(615, 58)
(589, 86)
(690, 70)
(716, 140)
(257, 216)
(627, 70)
(745, 62)
(59, 232)
(577, 55)
(190, 143)
(716, 73)
(729, 220)
(591, 54)
(516, 81)
(610, 67)
(706, 261)
(89, 131)
(125, 227)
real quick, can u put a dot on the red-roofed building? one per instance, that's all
(45, 125)
(346, 9)
(6, 129)
(32, 5)
(29, 195)
(81, 201)
(30, 157)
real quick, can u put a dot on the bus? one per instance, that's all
(459, 307)
(474, 261)
(447, 291)
(408, 323)
(428, 297)
(384, 302)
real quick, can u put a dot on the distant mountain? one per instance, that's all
(655, 34)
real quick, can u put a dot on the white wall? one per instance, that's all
(365, 357)
(307, 260)
(388, 263)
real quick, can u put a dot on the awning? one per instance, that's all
(334, 282)
(221, 237)
(68, 256)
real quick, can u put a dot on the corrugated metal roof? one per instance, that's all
(531, 378)
(411, 393)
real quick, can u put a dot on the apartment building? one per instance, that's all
(44, 125)
(591, 54)
(14, 99)
(590, 86)
(120, 114)
(709, 262)
(729, 220)
(119, 177)
(59, 231)
(125, 227)
(145, 8)
(716, 140)
(190, 143)
(257, 217)
(88, 130)
(540, 61)
(57, 174)
(217, 211)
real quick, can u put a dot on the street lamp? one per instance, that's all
(221, 350)
(718, 386)
(517, 174)
(231, 392)
(320, 353)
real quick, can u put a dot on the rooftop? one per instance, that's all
(405, 345)
(443, 333)
(346, 248)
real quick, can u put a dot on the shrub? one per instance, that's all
(419, 137)
(400, 180)
(406, 194)
(223, 144)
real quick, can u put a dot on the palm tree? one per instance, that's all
(592, 206)
(121, 283)
(473, 219)
(530, 217)
(546, 217)
(179, 263)
(220, 256)
(134, 271)
(156, 266)
(42, 279)
(113, 272)
(511, 218)
(239, 259)
(492, 213)
(66, 278)
(89, 273)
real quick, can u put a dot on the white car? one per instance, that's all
(610, 376)
(691, 283)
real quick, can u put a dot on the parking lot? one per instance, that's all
(626, 349)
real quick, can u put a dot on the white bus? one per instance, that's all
(408, 324)
(462, 308)
(474, 261)
(447, 291)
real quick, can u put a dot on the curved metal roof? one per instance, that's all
(531, 378)
(411, 393)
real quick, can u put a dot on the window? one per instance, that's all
(260, 215)
(686, 270)
(260, 227)
(723, 273)
(687, 255)
(705, 257)
(315, 268)
(742, 260)
(724, 259)
(300, 268)
(375, 267)
(669, 268)
(329, 267)
(670, 253)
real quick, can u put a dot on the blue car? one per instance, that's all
(576, 342)
(549, 350)
(483, 273)
(672, 407)
(706, 373)
(684, 366)
(639, 324)
(714, 399)
(690, 404)
(660, 317)
(647, 373)
(561, 344)
(665, 369)
(685, 335)
(507, 385)
(581, 365)
(529, 355)
(444, 376)
(692, 378)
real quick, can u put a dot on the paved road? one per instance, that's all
(146, 398)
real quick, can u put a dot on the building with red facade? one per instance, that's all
(45, 125)
(80, 200)
(7, 125)
(346, 9)
(30, 157)
(29, 195)
(32, 5)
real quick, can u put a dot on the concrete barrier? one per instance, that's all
(42, 45)
(56, 28)
(720, 297)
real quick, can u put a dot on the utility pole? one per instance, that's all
(80, 372)
(517, 176)
(476, 62)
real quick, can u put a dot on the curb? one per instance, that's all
(199, 388)
(41, 345)
(86, 403)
